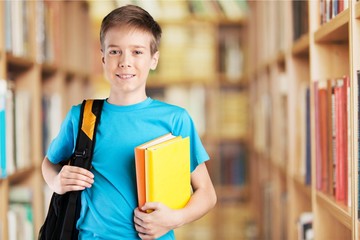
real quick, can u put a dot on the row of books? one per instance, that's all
(16, 19)
(233, 164)
(15, 129)
(186, 49)
(332, 136)
(20, 214)
(17, 15)
(231, 53)
(48, 31)
(169, 10)
(330, 8)
(302, 161)
(39, 25)
(300, 18)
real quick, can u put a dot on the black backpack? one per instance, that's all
(64, 210)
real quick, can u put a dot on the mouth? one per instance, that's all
(125, 76)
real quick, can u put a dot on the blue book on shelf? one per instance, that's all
(2, 129)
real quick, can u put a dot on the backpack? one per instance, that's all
(64, 210)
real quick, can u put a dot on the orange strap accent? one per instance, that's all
(89, 119)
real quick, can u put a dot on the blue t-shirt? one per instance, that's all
(108, 206)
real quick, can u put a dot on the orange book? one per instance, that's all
(140, 165)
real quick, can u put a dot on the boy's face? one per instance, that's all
(127, 60)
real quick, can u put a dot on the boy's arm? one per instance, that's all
(67, 178)
(163, 219)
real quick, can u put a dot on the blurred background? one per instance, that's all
(271, 86)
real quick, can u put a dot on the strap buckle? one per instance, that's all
(81, 154)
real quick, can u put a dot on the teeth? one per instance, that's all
(125, 76)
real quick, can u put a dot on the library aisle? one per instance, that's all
(273, 91)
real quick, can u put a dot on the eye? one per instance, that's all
(114, 52)
(137, 52)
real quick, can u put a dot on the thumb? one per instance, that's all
(150, 206)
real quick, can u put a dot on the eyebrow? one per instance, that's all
(133, 46)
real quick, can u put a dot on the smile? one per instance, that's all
(125, 76)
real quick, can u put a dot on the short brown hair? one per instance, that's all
(132, 16)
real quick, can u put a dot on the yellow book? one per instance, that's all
(167, 167)
(140, 165)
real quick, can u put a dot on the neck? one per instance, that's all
(123, 100)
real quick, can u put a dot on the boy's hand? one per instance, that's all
(155, 224)
(72, 178)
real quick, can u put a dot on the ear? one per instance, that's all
(102, 56)
(154, 60)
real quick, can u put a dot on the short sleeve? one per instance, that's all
(63, 145)
(185, 127)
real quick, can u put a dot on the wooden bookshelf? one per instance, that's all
(54, 61)
(323, 51)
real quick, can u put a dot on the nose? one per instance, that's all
(124, 61)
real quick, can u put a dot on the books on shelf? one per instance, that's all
(188, 49)
(233, 117)
(20, 214)
(331, 8)
(231, 53)
(301, 166)
(15, 129)
(17, 32)
(332, 137)
(233, 164)
(163, 171)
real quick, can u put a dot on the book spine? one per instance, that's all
(2, 129)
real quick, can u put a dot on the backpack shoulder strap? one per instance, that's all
(89, 118)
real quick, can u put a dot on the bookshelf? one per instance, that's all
(299, 79)
(45, 61)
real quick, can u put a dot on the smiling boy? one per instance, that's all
(129, 44)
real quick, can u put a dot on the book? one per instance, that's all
(341, 187)
(167, 168)
(140, 165)
(163, 171)
(2, 128)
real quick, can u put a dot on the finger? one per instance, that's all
(79, 170)
(144, 236)
(150, 206)
(73, 188)
(77, 176)
(76, 182)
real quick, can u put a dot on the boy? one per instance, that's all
(129, 44)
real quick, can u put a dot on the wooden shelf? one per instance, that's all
(336, 30)
(337, 210)
(21, 174)
(301, 47)
(18, 64)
